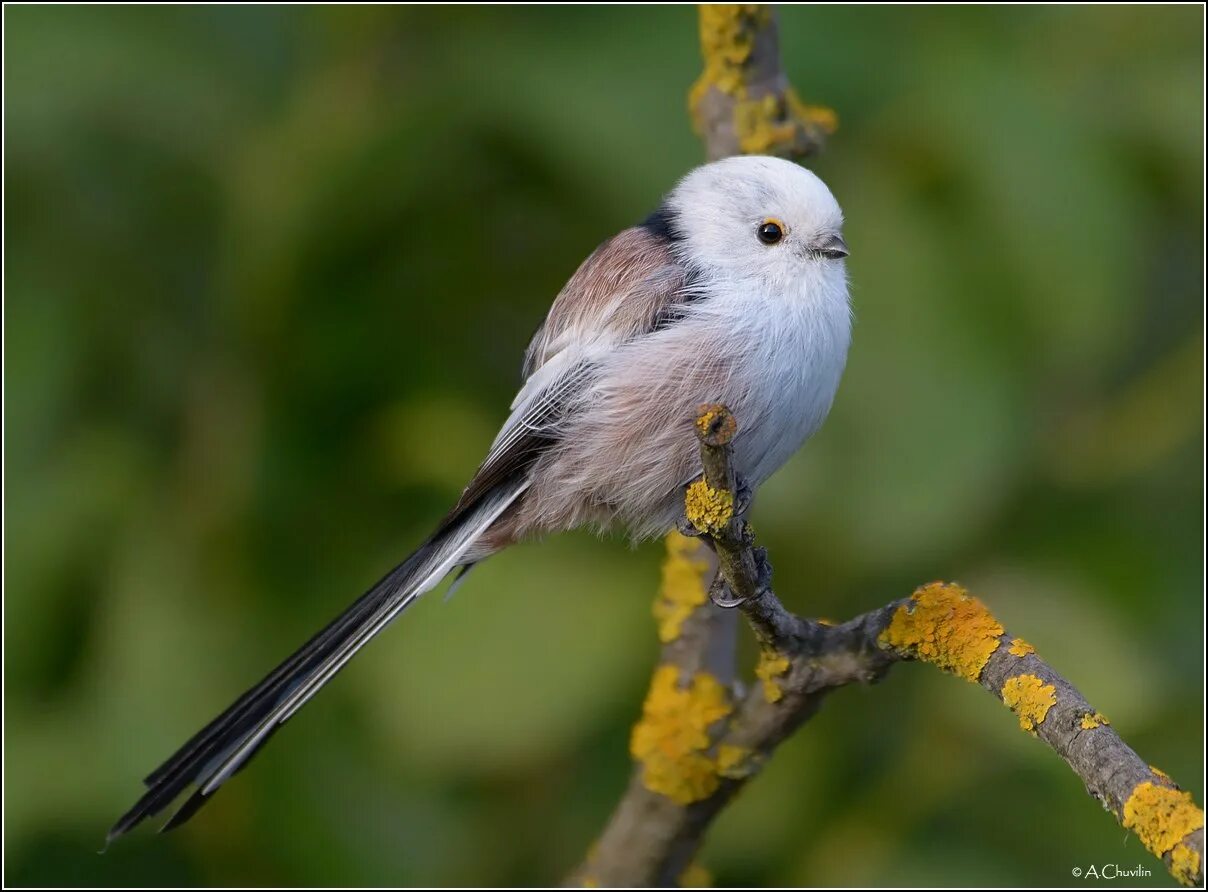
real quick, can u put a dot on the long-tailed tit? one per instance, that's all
(734, 291)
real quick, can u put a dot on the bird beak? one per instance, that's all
(832, 246)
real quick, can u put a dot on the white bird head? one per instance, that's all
(757, 217)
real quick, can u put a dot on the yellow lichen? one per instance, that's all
(771, 666)
(944, 625)
(1161, 816)
(683, 586)
(1185, 864)
(1020, 648)
(735, 762)
(1093, 720)
(708, 509)
(727, 36)
(762, 124)
(766, 124)
(1160, 773)
(695, 877)
(1030, 699)
(820, 116)
(671, 739)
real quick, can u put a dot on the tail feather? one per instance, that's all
(226, 744)
(314, 647)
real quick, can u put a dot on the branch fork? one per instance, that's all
(702, 737)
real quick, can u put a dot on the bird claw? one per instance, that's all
(721, 594)
(763, 569)
(743, 494)
(685, 527)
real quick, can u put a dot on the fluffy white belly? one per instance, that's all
(785, 381)
(774, 360)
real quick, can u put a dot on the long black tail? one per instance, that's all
(225, 745)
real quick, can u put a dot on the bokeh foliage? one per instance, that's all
(269, 275)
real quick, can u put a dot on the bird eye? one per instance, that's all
(770, 231)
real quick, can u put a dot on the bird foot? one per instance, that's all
(744, 493)
(685, 527)
(721, 594)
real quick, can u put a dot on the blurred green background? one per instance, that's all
(269, 275)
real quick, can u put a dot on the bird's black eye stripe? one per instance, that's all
(662, 224)
(770, 231)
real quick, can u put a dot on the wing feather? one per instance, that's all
(631, 285)
(619, 292)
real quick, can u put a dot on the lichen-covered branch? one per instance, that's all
(702, 734)
(651, 836)
(699, 739)
(743, 104)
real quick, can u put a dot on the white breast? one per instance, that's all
(790, 350)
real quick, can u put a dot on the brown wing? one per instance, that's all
(620, 291)
(631, 285)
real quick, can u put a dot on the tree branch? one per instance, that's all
(697, 744)
(702, 736)
(743, 103)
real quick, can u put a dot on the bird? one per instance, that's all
(733, 291)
